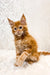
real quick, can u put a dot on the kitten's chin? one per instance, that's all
(19, 35)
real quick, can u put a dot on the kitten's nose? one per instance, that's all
(18, 32)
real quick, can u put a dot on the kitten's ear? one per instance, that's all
(23, 20)
(10, 22)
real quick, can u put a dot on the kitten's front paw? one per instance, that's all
(15, 65)
(20, 62)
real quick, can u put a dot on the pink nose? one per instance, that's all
(18, 32)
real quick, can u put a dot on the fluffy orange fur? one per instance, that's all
(26, 45)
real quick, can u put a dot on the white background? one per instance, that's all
(37, 13)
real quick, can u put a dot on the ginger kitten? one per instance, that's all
(26, 45)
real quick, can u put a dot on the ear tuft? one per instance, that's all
(23, 17)
(23, 20)
(10, 22)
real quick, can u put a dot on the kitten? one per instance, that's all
(26, 45)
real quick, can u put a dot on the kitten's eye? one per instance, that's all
(15, 28)
(20, 27)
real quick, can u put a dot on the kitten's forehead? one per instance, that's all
(17, 23)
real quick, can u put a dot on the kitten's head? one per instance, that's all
(19, 28)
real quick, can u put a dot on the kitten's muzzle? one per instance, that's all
(19, 33)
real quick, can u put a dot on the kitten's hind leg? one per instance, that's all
(33, 58)
(28, 60)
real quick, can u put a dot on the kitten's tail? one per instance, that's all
(44, 53)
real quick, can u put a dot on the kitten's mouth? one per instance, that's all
(19, 34)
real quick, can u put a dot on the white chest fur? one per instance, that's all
(21, 45)
(18, 42)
